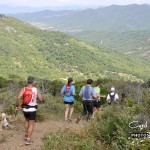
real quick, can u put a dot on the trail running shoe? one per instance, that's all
(69, 119)
(28, 142)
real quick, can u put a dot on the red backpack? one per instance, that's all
(27, 96)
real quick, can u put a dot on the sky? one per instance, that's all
(62, 3)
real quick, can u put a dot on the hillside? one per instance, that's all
(26, 50)
(135, 43)
(111, 18)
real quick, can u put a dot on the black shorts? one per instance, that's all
(96, 104)
(30, 115)
(70, 103)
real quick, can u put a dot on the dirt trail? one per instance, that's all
(15, 138)
(15, 141)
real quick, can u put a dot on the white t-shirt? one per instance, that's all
(116, 97)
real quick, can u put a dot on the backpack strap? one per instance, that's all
(112, 96)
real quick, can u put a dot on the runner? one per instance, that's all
(68, 92)
(29, 95)
(123, 99)
(88, 94)
(112, 96)
(97, 104)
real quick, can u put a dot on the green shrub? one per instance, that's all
(9, 109)
(112, 127)
(70, 140)
(130, 102)
(140, 144)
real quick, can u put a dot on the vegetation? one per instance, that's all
(135, 43)
(52, 56)
(26, 50)
(109, 130)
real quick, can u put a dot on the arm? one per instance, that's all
(108, 98)
(116, 97)
(18, 98)
(94, 95)
(102, 96)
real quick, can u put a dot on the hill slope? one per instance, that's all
(26, 50)
(111, 18)
(135, 43)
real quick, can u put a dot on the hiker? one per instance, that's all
(68, 92)
(123, 98)
(88, 94)
(97, 104)
(112, 96)
(29, 95)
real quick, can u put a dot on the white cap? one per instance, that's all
(112, 89)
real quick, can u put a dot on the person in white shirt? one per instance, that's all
(29, 95)
(112, 96)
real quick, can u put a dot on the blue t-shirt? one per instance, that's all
(69, 98)
(87, 92)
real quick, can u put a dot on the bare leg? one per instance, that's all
(30, 129)
(26, 125)
(99, 109)
(71, 111)
(66, 111)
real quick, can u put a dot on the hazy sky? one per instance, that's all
(61, 3)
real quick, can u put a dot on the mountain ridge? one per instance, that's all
(110, 18)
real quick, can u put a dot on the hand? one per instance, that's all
(17, 108)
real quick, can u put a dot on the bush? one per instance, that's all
(70, 140)
(130, 102)
(140, 144)
(112, 127)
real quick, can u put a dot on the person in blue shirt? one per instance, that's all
(68, 92)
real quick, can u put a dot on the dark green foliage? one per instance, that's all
(2, 82)
(26, 50)
(133, 43)
(112, 127)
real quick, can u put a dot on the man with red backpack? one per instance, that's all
(29, 97)
(68, 92)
